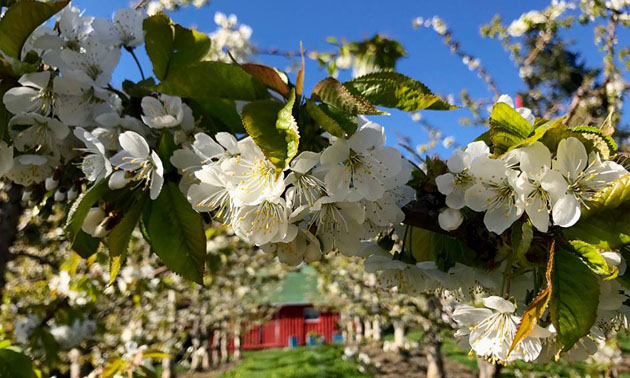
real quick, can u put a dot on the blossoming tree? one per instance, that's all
(526, 226)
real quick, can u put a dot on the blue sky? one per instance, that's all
(284, 23)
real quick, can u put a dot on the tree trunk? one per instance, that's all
(168, 368)
(399, 334)
(488, 370)
(214, 348)
(237, 341)
(357, 322)
(349, 336)
(435, 364)
(10, 211)
(224, 347)
(367, 330)
(75, 364)
(376, 330)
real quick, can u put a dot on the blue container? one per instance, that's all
(311, 340)
(337, 338)
(293, 341)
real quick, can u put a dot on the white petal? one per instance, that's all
(497, 303)
(450, 219)
(134, 144)
(538, 213)
(305, 161)
(445, 183)
(535, 160)
(571, 158)
(566, 211)
(459, 161)
(468, 315)
(336, 153)
(477, 197)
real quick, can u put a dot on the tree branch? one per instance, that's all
(10, 211)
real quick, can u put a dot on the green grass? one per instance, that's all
(304, 362)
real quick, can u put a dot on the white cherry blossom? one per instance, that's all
(360, 166)
(253, 176)
(265, 222)
(136, 162)
(575, 177)
(338, 225)
(31, 169)
(37, 132)
(125, 30)
(94, 65)
(455, 183)
(211, 194)
(492, 329)
(165, 112)
(494, 193)
(535, 163)
(95, 164)
(450, 219)
(34, 96)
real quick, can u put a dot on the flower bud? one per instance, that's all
(118, 180)
(73, 193)
(60, 195)
(450, 219)
(26, 195)
(92, 221)
(51, 183)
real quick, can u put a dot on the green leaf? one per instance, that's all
(394, 90)
(273, 128)
(336, 123)
(176, 233)
(574, 298)
(591, 256)
(172, 47)
(539, 133)
(508, 128)
(15, 364)
(118, 238)
(20, 20)
(85, 245)
(332, 92)
(213, 80)
(80, 209)
(217, 114)
(522, 236)
(425, 245)
(165, 150)
(605, 222)
(601, 141)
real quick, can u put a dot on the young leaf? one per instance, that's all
(172, 47)
(394, 90)
(425, 245)
(332, 92)
(268, 76)
(536, 308)
(118, 238)
(299, 82)
(539, 133)
(601, 141)
(176, 233)
(213, 80)
(15, 364)
(574, 298)
(273, 128)
(338, 124)
(507, 128)
(20, 20)
(593, 259)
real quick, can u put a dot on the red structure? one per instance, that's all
(295, 321)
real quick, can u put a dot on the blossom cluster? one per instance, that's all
(53, 109)
(549, 189)
(326, 201)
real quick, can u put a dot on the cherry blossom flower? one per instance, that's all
(265, 222)
(494, 193)
(253, 176)
(37, 132)
(338, 224)
(165, 112)
(535, 163)
(125, 30)
(492, 329)
(31, 169)
(455, 183)
(211, 193)
(575, 178)
(34, 96)
(359, 166)
(136, 162)
(95, 164)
